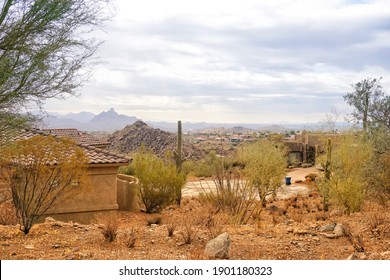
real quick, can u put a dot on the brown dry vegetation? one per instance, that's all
(288, 229)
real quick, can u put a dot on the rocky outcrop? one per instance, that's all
(130, 139)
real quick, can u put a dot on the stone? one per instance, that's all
(49, 220)
(329, 227)
(339, 230)
(352, 257)
(219, 247)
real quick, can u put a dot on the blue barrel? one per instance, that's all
(288, 180)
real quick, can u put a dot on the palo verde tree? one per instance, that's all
(41, 172)
(265, 165)
(371, 104)
(46, 50)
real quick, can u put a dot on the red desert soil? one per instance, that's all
(287, 229)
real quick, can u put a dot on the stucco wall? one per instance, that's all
(99, 195)
(127, 194)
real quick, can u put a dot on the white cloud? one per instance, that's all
(253, 61)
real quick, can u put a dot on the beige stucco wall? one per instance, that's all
(127, 193)
(99, 195)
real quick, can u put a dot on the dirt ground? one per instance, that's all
(288, 229)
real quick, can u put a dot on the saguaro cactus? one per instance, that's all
(178, 154)
(178, 158)
(327, 173)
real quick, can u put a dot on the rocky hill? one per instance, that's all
(130, 139)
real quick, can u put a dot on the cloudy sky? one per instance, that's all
(252, 61)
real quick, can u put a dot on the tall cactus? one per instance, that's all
(178, 154)
(179, 161)
(327, 174)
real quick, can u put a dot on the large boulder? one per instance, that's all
(219, 247)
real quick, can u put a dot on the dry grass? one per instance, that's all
(109, 226)
(131, 238)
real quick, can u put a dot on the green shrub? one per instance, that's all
(159, 183)
(350, 165)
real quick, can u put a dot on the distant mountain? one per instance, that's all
(105, 121)
(110, 121)
(82, 117)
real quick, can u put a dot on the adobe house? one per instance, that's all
(307, 146)
(102, 171)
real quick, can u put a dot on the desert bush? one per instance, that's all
(350, 164)
(265, 163)
(171, 227)
(311, 176)
(7, 214)
(159, 182)
(153, 220)
(189, 230)
(232, 195)
(131, 238)
(41, 173)
(109, 226)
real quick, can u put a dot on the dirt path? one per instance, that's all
(194, 187)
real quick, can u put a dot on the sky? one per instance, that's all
(246, 61)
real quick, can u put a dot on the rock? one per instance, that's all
(329, 227)
(339, 230)
(329, 235)
(352, 256)
(29, 247)
(320, 167)
(49, 220)
(154, 226)
(219, 247)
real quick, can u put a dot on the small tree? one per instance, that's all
(41, 172)
(265, 167)
(371, 104)
(159, 182)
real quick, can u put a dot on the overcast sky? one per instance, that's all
(252, 61)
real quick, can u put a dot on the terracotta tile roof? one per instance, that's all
(103, 156)
(78, 136)
(94, 154)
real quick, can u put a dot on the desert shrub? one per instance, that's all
(189, 230)
(109, 226)
(350, 164)
(265, 163)
(311, 176)
(232, 194)
(127, 170)
(159, 183)
(153, 220)
(7, 214)
(131, 238)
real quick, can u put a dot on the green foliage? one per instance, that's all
(265, 164)
(159, 182)
(351, 161)
(371, 104)
(45, 50)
